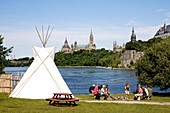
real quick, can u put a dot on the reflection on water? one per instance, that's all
(80, 79)
(113, 80)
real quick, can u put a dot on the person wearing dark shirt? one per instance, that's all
(107, 89)
(127, 89)
(91, 89)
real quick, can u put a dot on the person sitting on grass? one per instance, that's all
(150, 93)
(97, 92)
(140, 92)
(145, 93)
(104, 92)
(107, 89)
(91, 89)
(127, 89)
(96, 89)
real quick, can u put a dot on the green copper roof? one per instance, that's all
(91, 47)
(133, 29)
(81, 46)
(133, 32)
(91, 33)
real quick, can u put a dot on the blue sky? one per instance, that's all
(110, 20)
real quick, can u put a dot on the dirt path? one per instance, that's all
(128, 102)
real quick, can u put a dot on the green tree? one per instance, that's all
(141, 45)
(99, 57)
(3, 53)
(154, 67)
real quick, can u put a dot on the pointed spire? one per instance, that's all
(133, 32)
(91, 32)
(164, 24)
(66, 40)
(133, 36)
(132, 29)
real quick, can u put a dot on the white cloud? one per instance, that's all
(145, 33)
(168, 14)
(131, 23)
(166, 20)
(160, 10)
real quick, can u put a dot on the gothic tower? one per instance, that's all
(114, 46)
(66, 44)
(133, 36)
(91, 39)
(75, 45)
(66, 47)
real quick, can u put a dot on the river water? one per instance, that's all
(80, 79)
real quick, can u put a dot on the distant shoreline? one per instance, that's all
(97, 67)
(93, 67)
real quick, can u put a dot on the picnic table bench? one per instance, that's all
(58, 97)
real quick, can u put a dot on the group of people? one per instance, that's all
(99, 91)
(143, 92)
(103, 90)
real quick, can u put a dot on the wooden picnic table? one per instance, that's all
(59, 97)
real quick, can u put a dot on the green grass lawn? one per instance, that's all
(14, 105)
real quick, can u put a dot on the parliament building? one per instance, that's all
(66, 48)
(163, 32)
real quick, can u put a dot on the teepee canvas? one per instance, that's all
(42, 78)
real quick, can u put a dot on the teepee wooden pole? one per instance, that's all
(39, 35)
(49, 35)
(49, 71)
(43, 35)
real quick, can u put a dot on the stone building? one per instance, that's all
(117, 48)
(130, 55)
(66, 47)
(89, 46)
(163, 32)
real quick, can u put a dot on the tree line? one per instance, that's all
(99, 57)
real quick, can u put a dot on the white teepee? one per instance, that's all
(42, 78)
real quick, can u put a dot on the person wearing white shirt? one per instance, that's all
(104, 92)
(145, 93)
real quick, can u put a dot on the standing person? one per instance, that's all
(150, 92)
(127, 89)
(140, 92)
(107, 89)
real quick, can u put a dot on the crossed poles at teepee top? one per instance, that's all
(43, 39)
(36, 70)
